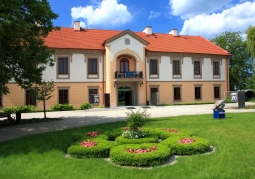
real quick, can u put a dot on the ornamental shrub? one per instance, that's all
(25, 109)
(120, 156)
(136, 119)
(62, 107)
(164, 133)
(122, 140)
(85, 106)
(113, 134)
(101, 149)
(9, 110)
(199, 146)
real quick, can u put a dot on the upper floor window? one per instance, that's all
(124, 65)
(63, 96)
(216, 70)
(176, 67)
(197, 68)
(30, 98)
(92, 66)
(153, 67)
(63, 66)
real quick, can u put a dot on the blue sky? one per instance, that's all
(191, 17)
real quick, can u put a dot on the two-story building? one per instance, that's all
(112, 68)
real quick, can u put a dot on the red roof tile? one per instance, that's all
(94, 39)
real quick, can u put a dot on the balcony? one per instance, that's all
(129, 74)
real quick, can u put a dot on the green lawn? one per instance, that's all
(42, 156)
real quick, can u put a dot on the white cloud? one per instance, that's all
(82, 24)
(237, 18)
(154, 14)
(107, 13)
(188, 8)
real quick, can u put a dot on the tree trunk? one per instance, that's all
(44, 110)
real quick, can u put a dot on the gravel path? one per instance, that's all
(71, 119)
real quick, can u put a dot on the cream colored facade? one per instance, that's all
(138, 90)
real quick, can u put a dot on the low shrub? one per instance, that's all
(199, 145)
(113, 134)
(101, 149)
(9, 110)
(120, 155)
(85, 106)
(26, 109)
(136, 119)
(62, 107)
(164, 133)
(122, 140)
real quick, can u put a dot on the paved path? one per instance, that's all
(79, 118)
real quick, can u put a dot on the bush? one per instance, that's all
(26, 109)
(199, 146)
(9, 110)
(22, 109)
(122, 140)
(136, 120)
(164, 133)
(62, 107)
(120, 156)
(113, 134)
(85, 106)
(102, 149)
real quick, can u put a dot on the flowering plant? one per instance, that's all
(187, 141)
(93, 134)
(172, 130)
(134, 134)
(139, 151)
(88, 143)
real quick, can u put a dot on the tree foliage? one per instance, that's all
(43, 92)
(240, 63)
(24, 24)
(251, 40)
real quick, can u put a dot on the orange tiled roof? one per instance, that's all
(94, 39)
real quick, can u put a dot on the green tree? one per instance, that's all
(250, 32)
(43, 92)
(240, 63)
(24, 24)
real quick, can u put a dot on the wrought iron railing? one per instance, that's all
(129, 74)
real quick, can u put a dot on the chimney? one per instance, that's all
(174, 32)
(77, 25)
(148, 30)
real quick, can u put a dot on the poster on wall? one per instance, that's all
(96, 99)
(234, 97)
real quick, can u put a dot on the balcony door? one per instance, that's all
(124, 65)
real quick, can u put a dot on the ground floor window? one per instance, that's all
(63, 96)
(92, 92)
(30, 98)
(197, 92)
(177, 93)
(216, 92)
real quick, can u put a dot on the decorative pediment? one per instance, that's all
(129, 32)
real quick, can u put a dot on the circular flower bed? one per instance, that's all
(187, 145)
(147, 154)
(164, 133)
(91, 149)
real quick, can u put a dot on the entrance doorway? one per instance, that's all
(124, 96)
(154, 96)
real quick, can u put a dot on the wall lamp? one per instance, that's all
(114, 84)
(141, 83)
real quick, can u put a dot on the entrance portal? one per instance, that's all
(124, 96)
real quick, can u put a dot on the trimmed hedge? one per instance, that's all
(62, 107)
(102, 149)
(113, 134)
(199, 146)
(120, 156)
(164, 134)
(122, 140)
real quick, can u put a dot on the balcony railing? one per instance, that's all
(129, 74)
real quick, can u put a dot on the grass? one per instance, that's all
(42, 155)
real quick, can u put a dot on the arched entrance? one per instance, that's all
(124, 96)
